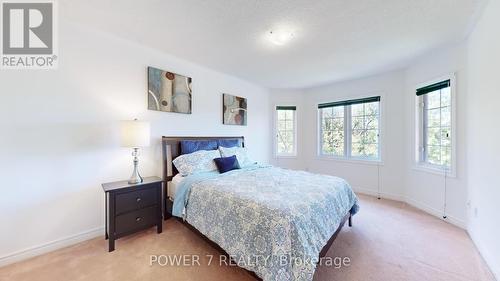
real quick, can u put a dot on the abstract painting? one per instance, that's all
(234, 110)
(168, 91)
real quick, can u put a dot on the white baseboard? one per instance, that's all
(437, 213)
(486, 254)
(74, 239)
(375, 193)
(421, 206)
(51, 246)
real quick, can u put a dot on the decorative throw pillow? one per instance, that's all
(226, 164)
(196, 162)
(240, 152)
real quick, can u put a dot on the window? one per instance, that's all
(435, 125)
(350, 129)
(286, 131)
(333, 130)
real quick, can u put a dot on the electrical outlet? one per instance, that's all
(475, 212)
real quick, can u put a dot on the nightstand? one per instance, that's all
(132, 207)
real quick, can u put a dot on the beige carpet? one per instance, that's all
(389, 241)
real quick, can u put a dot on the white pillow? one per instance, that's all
(196, 162)
(241, 155)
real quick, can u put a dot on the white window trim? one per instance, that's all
(295, 131)
(418, 165)
(348, 159)
(361, 161)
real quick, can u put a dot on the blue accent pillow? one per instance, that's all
(226, 164)
(190, 146)
(229, 143)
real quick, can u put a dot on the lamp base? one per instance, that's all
(136, 177)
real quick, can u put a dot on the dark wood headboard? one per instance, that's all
(171, 148)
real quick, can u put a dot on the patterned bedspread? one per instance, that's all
(271, 221)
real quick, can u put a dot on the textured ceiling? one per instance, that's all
(334, 39)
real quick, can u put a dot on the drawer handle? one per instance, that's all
(138, 199)
(138, 219)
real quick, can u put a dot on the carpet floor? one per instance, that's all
(388, 241)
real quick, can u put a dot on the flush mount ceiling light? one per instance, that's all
(280, 37)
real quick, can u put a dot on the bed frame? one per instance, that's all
(171, 148)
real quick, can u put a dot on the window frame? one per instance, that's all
(295, 130)
(347, 157)
(320, 138)
(419, 159)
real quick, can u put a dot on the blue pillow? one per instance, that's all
(226, 164)
(190, 146)
(229, 143)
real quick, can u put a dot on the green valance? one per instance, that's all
(433, 87)
(349, 102)
(287, 107)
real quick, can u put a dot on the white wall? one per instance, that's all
(423, 189)
(472, 196)
(483, 134)
(59, 133)
(363, 176)
(398, 178)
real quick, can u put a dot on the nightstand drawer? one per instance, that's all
(136, 220)
(135, 200)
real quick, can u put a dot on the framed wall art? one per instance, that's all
(168, 91)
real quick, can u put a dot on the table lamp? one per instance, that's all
(135, 134)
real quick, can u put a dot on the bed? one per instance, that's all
(274, 223)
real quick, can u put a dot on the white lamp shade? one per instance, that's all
(135, 133)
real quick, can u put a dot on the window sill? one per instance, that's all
(285, 156)
(433, 170)
(351, 160)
